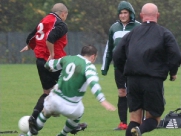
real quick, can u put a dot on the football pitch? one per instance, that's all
(20, 89)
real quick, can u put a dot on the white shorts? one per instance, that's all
(56, 105)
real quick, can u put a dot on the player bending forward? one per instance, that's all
(66, 97)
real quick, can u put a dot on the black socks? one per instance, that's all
(148, 125)
(122, 109)
(39, 106)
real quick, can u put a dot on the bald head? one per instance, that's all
(59, 7)
(61, 10)
(149, 12)
(149, 8)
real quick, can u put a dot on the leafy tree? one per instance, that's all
(93, 16)
(18, 15)
(89, 16)
(37, 9)
(97, 15)
(10, 17)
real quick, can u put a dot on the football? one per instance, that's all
(23, 124)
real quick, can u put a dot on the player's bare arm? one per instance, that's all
(108, 106)
(51, 50)
(26, 48)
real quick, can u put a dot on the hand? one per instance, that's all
(122, 92)
(50, 57)
(173, 78)
(26, 48)
(108, 106)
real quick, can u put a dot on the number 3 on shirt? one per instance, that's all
(70, 68)
(40, 32)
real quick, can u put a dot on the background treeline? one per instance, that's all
(88, 16)
(84, 15)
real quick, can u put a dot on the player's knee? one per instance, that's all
(46, 113)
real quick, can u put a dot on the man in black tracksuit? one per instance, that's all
(147, 55)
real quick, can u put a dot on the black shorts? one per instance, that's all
(119, 79)
(48, 79)
(145, 93)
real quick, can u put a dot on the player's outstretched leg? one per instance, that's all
(33, 126)
(36, 125)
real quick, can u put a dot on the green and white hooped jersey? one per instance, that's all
(77, 73)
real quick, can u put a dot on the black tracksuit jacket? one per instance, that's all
(148, 50)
